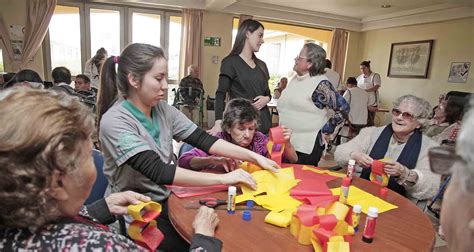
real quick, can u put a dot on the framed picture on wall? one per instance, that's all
(459, 71)
(410, 59)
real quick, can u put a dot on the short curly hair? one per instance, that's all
(41, 133)
(422, 107)
(239, 111)
(317, 56)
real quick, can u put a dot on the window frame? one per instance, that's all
(166, 42)
(126, 26)
(46, 45)
(145, 11)
(87, 16)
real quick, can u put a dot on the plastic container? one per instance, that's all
(356, 210)
(346, 182)
(351, 168)
(247, 215)
(370, 222)
(232, 191)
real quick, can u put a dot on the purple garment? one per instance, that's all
(258, 145)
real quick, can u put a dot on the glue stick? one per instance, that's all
(346, 182)
(351, 168)
(370, 222)
(356, 210)
(232, 191)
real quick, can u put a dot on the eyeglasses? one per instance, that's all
(442, 159)
(298, 57)
(406, 115)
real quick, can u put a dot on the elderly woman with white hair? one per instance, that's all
(403, 146)
(457, 210)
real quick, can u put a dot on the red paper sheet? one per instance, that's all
(327, 221)
(308, 175)
(190, 191)
(310, 187)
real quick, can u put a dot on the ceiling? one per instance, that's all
(361, 8)
(358, 15)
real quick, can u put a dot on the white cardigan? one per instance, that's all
(428, 182)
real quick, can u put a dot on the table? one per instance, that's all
(403, 229)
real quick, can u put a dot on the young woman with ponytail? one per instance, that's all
(136, 129)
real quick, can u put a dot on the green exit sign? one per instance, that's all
(212, 41)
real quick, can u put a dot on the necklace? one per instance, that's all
(396, 140)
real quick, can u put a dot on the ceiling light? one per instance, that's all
(386, 6)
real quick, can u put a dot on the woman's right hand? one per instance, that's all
(362, 159)
(239, 176)
(205, 221)
(266, 163)
(216, 128)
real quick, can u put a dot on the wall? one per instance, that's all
(14, 13)
(214, 24)
(453, 42)
(353, 55)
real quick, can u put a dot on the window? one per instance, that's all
(173, 55)
(65, 39)
(2, 68)
(282, 43)
(78, 30)
(105, 31)
(174, 47)
(146, 28)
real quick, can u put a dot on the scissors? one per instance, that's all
(212, 202)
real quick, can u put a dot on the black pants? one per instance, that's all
(370, 118)
(172, 241)
(315, 156)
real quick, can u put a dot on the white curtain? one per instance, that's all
(191, 40)
(38, 18)
(7, 45)
(338, 50)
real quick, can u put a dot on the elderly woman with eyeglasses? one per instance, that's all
(457, 210)
(304, 105)
(403, 146)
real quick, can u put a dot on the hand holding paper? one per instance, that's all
(239, 176)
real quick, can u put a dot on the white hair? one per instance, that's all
(422, 106)
(190, 68)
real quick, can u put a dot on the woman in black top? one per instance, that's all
(243, 75)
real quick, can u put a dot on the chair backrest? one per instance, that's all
(188, 95)
(100, 185)
(462, 98)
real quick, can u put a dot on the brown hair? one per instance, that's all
(45, 138)
(248, 25)
(136, 59)
(239, 111)
(317, 56)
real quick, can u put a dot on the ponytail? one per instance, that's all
(108, 90)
